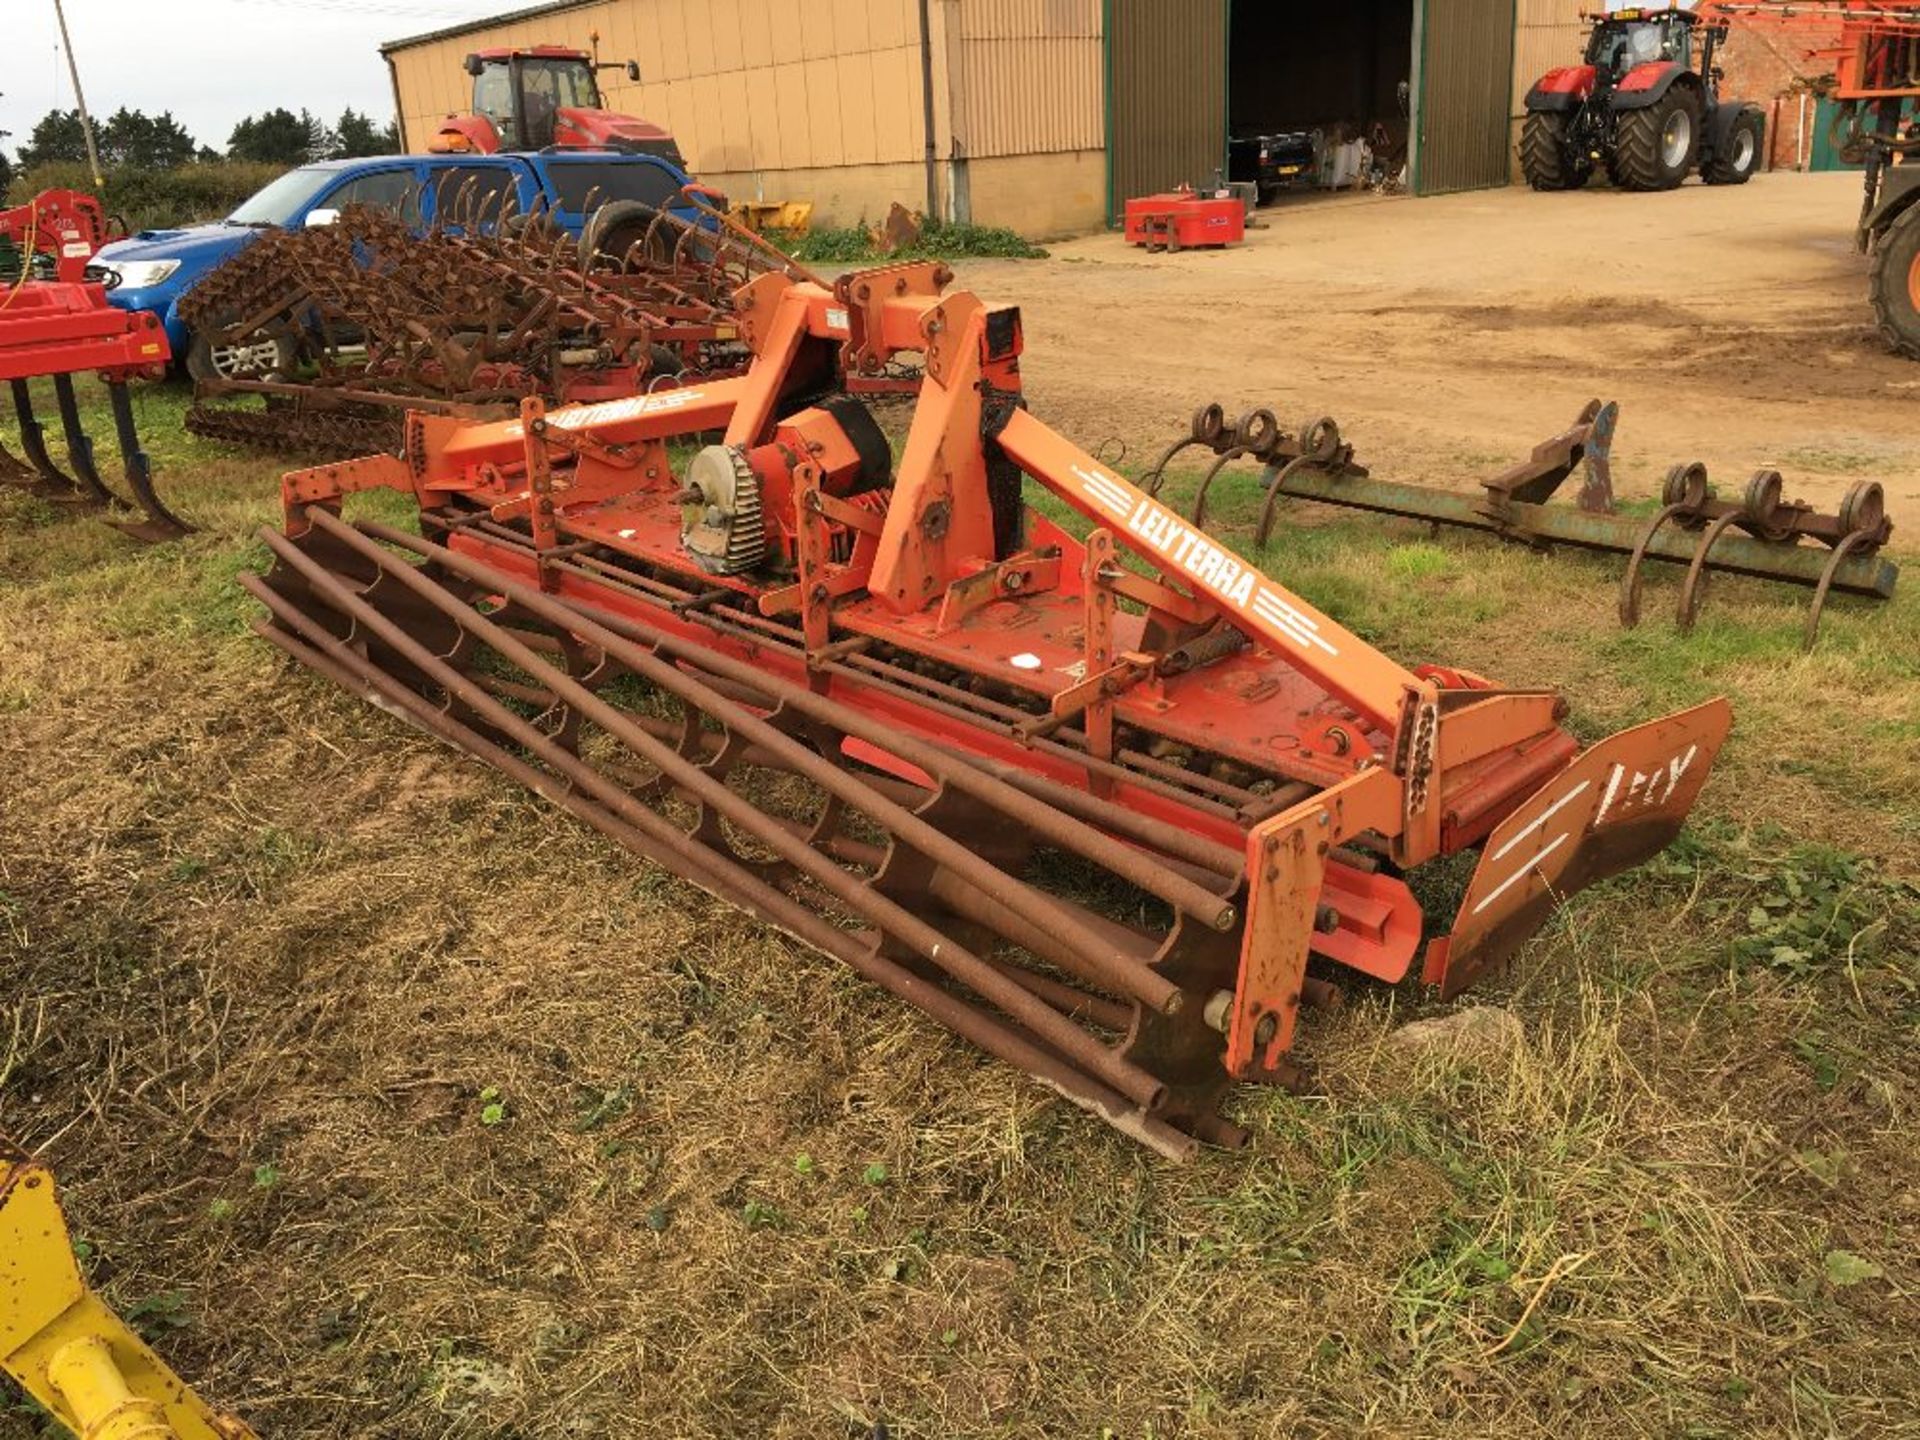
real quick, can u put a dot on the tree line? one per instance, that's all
(134, 140)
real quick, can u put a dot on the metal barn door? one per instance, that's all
(1166, 95)
(1465, 94)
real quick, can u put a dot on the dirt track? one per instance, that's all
(1450, 335)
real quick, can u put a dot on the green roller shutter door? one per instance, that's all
(1166, 95)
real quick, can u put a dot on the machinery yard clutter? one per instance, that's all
(55, 323)
(1645, 104)
(1867, 64)
(64, 1347)
(157, 269)
(1762, 534)
(358, 322)
(889, 709)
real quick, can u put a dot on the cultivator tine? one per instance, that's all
(33, 440)
(161, 523)
(79, 443)
(12, 471)
(17, 474)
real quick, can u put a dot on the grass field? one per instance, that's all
(392, 1103)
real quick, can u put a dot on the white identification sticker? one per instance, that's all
(612, 412)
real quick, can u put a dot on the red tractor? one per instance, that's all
(547, 97)
(1640, 106)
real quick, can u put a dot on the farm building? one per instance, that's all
(1043, 115)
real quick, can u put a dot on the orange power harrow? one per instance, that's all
(1115, 809)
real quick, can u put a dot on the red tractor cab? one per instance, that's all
(1645, 103)
(546, 97)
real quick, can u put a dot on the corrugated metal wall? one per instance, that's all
(743, 84)
(1546, 33)
(1168, 116)
(1465, 90)
(1028, 78)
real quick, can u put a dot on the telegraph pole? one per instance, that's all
(80, 99)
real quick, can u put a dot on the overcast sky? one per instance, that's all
(211, 61)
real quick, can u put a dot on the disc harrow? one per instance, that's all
(1117, 824)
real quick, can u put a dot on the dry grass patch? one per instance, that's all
(397, 1105)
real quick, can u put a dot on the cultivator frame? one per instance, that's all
(60, 327)
(861, 700)
(1761, 535)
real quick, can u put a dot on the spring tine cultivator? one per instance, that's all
(1116, 823)
(57, 325)
(1761, 535)
(339, 330)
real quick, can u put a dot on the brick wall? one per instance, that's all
(1768, 64)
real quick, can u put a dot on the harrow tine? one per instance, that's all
(1858, 539)
(1693, 589)
(1275, 480)
(1197, 517)
(161, 523)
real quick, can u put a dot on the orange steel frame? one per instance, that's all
(1431, 760)
(1874, 54)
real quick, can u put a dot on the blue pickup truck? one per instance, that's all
(153, 269)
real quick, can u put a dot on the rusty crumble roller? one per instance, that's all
(1115, 828)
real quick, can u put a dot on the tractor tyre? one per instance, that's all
(616, 228)
(1895, 284)
(1545, 157)
(1656, 148)
(1734, 162)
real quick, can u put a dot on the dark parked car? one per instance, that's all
(1272, 163)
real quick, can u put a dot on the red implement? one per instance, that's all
(59, 325)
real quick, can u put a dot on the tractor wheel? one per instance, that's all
(1734, 162)
(1895, 284)
(1656, 147)
(1545, 157)
(624, 232)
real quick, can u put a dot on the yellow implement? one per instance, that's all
(65, 1347)
(793, 216)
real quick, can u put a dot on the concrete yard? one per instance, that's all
(1450, 335)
